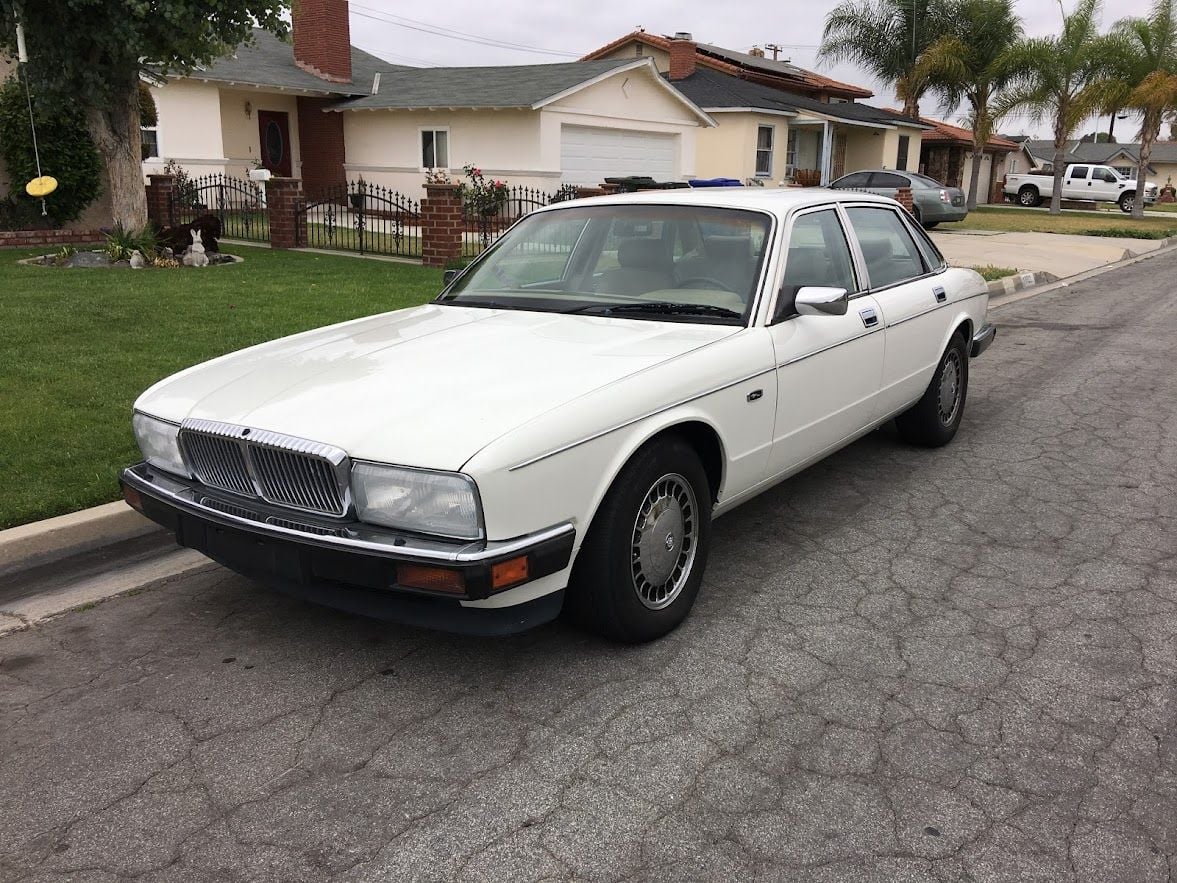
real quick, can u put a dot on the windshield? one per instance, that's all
(659, 262)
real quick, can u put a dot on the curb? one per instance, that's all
(43, 542)
(1002, 297)
(1020, 281)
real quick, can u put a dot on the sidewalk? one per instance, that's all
(1061, 255)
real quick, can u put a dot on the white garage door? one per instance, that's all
(588, 156)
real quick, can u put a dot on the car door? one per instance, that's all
(1076, 184)
(1104, 184)
(829, 367)
(905, 280)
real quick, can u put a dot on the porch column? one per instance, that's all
(827, 153)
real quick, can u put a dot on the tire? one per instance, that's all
(633, 591)
(1029, 197)
(927, 423)
(918, 215)
(931, 225)
(1126, 202)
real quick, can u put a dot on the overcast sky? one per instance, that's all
(564, 31)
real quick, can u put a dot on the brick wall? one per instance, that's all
(322, 39)
(320, 136)
(49, 238)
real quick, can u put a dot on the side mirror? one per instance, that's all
(814, 300)
(449, 276)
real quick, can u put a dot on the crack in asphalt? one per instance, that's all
(904, 665)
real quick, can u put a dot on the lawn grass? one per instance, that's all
(77, 347)
(991, 274)
(1017, 220)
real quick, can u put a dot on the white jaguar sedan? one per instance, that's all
(558, 428)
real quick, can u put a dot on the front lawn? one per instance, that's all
(1010, 219)
(77, 347)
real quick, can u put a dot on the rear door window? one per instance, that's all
(887, 245)
(886, 179)
(1079, 173)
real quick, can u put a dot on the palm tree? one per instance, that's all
(1065, 79)
(1147, 79)
(972, 63)
(885, 38)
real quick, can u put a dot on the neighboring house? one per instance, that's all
(320, 109)
(775, 121)
(947, 156)
(1124, 158)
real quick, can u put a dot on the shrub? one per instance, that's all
(67, 153)
(120, 242)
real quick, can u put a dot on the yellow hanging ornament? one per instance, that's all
(41, 187)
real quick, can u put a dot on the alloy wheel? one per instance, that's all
(664, 541)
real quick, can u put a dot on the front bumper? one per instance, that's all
(349, 565)
(982, 339)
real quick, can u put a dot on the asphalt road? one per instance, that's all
(904, 666)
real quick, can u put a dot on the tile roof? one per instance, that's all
(269, 62)
(712, 90)
(942, 131)
(730, 61)
(513, 86)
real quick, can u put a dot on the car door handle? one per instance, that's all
(940, 293)
(869, 317)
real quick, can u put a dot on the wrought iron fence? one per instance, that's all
(238, 203)
(362, 217)
(484, 225)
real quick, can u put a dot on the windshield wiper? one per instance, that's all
(661, 307)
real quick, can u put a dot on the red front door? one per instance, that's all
(274, 129)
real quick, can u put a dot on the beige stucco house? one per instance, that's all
(775, 122)
(319, 109)
(947, 156)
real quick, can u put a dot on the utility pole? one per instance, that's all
(774, 49)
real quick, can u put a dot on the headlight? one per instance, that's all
(440, 503)
(159, 442)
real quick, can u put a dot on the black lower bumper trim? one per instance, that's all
(982, 339)
(357, 582)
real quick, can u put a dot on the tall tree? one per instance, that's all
(1065, 79)
(971, 64)
(1147, 79)
(96, 51)
(885, 38)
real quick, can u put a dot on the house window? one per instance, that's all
(764, 136)
(1126, 171)
(904, 147)
(150, 136)
(435, 148)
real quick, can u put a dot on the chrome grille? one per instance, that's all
(280, 469)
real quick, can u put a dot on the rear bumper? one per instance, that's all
(982, 339)
(350, 566)
(940, 213)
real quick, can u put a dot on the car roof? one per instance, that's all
(777, 200)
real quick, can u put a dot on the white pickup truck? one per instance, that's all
(1080, 182)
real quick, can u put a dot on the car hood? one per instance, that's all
(428, 386)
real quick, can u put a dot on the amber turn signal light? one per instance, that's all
(432, 579)
(133, 498)
(509, 573)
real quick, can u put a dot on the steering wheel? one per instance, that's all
(711, 283)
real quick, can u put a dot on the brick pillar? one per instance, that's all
(610, 188)
(586, 192)
(159, 199)
(442, 224)
(283, 196)
(903, 195)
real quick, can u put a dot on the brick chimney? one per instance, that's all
(682, 56)
(756, 52)
(322, 39)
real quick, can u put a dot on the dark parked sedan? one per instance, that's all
(933, 202)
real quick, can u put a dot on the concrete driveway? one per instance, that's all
(1059, 254)
(905, 665)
